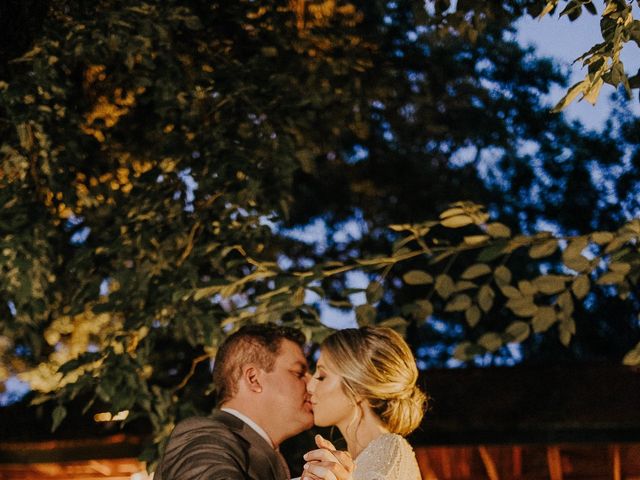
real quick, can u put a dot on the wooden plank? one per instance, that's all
(516, 456)
(426, 470)
(489, 464)
(617, 464)
(554, 462)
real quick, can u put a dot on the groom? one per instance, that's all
(261, 375)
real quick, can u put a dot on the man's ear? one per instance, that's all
(251, 377)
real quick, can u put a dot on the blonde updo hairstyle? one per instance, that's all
(377, 365)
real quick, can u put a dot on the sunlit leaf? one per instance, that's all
(581, 286)
(475, 271)
(632, 358)
(544, 317)
(518, 331)
(485, 298)
(544, 249)
(374, 292)
(365, 315)
(417, 277)
(457, 221)
(491, 341)
(502, 275)
(444, 286)
(458, 303)
(550, 284)
(472, 315)
(498, 230)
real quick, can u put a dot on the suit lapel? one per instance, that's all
(262, 458)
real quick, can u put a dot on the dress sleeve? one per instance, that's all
(391, 458)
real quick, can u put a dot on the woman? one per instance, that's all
(365, 384)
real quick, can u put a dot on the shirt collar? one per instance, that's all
(259, 430)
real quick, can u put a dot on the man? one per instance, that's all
(261, 374)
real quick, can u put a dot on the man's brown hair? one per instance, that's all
(258, 344)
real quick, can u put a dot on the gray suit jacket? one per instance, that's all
(220, 447)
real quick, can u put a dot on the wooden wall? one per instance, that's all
(491, 462)
(531, 462)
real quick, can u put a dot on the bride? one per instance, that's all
(365, 384)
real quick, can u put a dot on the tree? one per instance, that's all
(150, 146)
(617, 26)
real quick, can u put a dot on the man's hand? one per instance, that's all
(327, 463)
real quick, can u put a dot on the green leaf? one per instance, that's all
(518, 331)
(566, 303)
(544, 317)
(572, 255)
(591, 95)
(298, 297)
(602, 238)
(464, 351)
(550, 284)
(550, 5)
(611, 278)
(544, 249)
(417, 277)
(571, 95)
(457, 221)
(493, 251)
(485, 298)
(567, 329)
(374, 292)
(581, 286)
(527, 288)
(464, 285)
(472, 315)
(398, 324)
(58, 415)
(365, 315)
(502, 275)
(498, 230)
(475, 271)
(444, 286)
(490, 341)
(522, 306)
(632, 358)
(425, 308)
(459, 303)
(510, 291)
(620, 267)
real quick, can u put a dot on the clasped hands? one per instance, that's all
(327, 463)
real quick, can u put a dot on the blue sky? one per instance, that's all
(565, 41)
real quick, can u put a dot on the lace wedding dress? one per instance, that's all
(388, 457)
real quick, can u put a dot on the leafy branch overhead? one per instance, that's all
(543, 300)
(618, 27)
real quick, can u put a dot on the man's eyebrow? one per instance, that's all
(302, 365)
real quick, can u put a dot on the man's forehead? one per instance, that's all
(292, 354)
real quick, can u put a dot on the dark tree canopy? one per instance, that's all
(155, 155)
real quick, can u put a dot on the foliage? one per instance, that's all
(149, 148)
(617, 26)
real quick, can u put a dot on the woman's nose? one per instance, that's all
(311, 385)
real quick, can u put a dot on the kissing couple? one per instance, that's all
(364, 384)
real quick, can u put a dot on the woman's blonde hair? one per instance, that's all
(377, 365)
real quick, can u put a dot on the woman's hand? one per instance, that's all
(327, 463)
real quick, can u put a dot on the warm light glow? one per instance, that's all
(107, 417)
